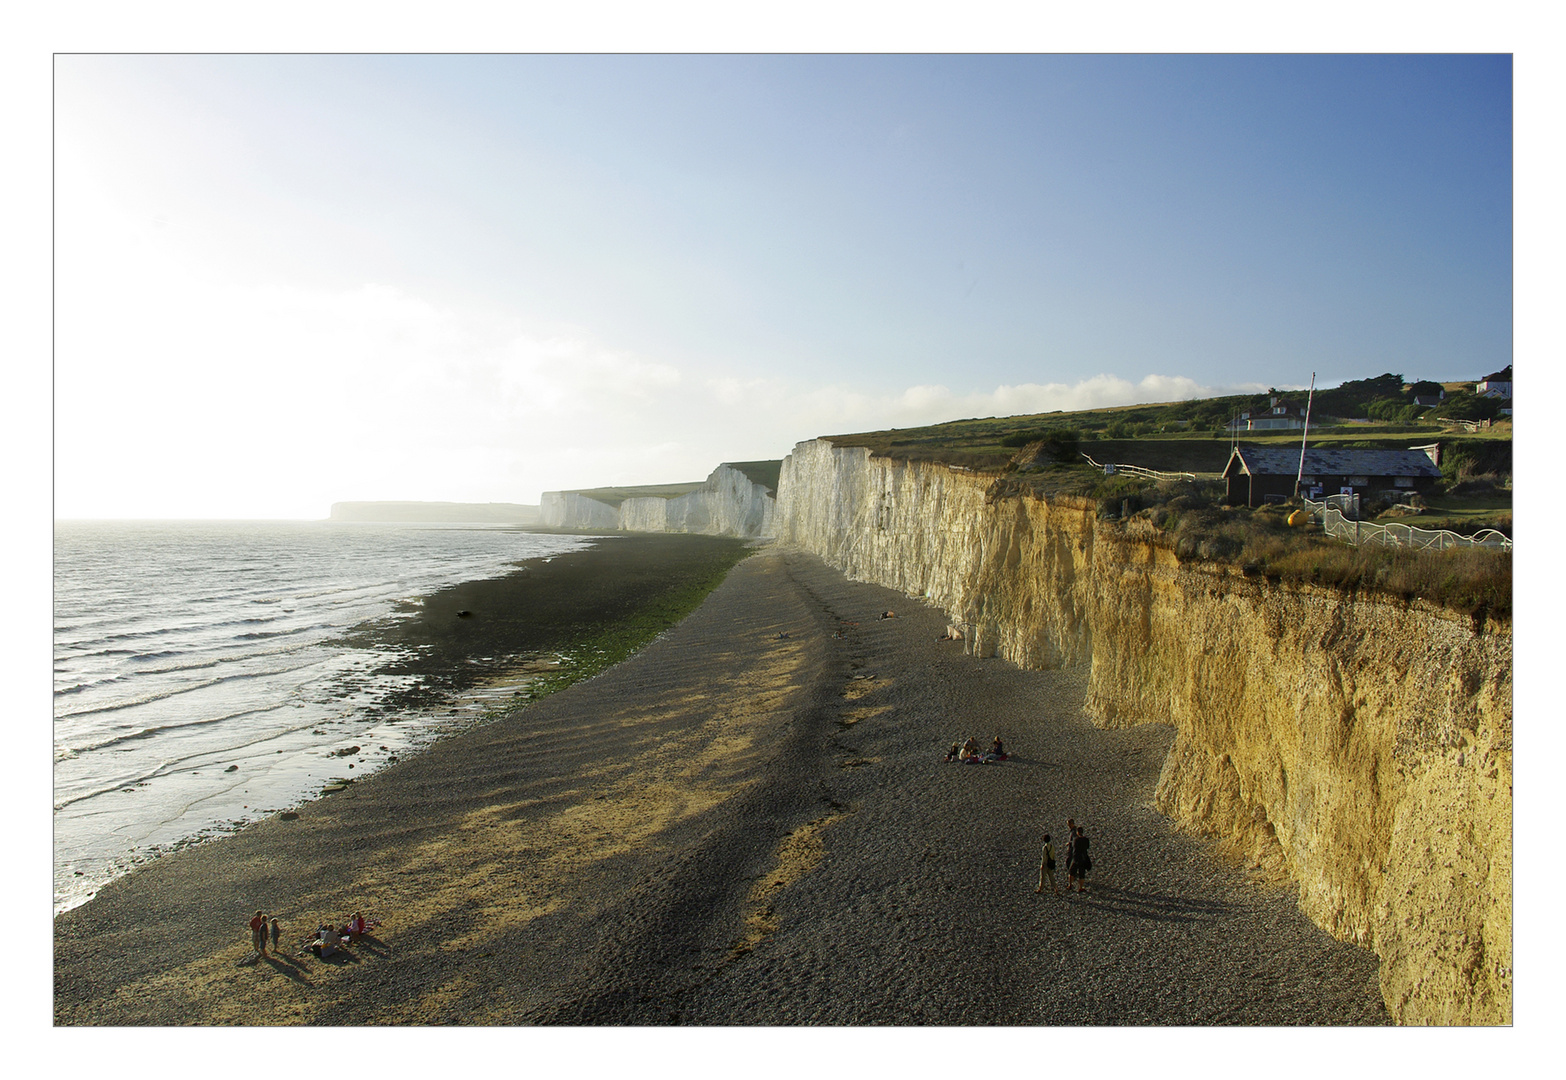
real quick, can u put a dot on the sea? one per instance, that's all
(201, 679)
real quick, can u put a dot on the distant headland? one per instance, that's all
(509, 513)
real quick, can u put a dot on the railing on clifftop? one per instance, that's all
(1396, 534)
(1137, 470)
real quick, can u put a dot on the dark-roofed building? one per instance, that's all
(1258, 474)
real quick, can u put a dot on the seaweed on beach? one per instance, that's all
(588, 608)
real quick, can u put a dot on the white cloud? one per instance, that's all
(178, 396)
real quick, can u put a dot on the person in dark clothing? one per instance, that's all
(1083, 861)
(1071, 854)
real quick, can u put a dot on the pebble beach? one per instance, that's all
(748, 822)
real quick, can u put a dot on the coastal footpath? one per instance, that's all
(1357, 746)
(729, 503)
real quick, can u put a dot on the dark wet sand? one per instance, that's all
(732, 827)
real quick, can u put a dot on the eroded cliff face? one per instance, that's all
(1359, 746)
(568, 510)
(728, 504)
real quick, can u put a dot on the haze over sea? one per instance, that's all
(201, 680)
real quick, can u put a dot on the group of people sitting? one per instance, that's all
(328, 939)
(969, 754)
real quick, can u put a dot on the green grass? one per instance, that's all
(764, 473)
(614, 496)
(590, 609)
(1192, 522)
(1181, 437)
(597, 649)
(1466, 514)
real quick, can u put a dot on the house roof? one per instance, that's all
(1283, 461)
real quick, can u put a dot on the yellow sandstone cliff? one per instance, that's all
(1358, 745)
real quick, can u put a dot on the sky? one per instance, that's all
(283, 281)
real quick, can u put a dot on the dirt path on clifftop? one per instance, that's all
(749, 822)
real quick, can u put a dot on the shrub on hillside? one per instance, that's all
(1465, 406)
(1467, 579)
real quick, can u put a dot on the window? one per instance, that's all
(1403, 481)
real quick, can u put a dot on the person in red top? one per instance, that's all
(258, 933)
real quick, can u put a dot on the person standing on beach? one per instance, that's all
(1071, 854)
(1047, 866)
(1084, 863)
(276, 933)
(258, 933)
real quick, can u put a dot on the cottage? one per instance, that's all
(1497, 384)
(1280, 416)
(1258, 474)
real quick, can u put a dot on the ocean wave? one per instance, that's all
(63, 753)
(170, 766)
(90, 685)
(166, 692)
(105, 644)
(203, 659)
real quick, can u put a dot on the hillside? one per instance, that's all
(1047, 455)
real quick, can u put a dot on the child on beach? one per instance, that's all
(258, 933)
(276, 933)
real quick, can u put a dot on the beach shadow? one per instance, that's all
(284, 966)
(372, 945)
(1157, 907)
(1031, 763)
(340, 957)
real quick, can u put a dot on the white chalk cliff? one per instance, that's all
(1360, 746)
(728, 504)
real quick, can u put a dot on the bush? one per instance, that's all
(1475, 485)
(1465, 406)
(1118, 487)
(1473, 580)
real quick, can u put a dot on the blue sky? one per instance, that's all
(478, 278)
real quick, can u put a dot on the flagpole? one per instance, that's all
(1305, 434)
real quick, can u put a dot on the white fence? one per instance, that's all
(1396, 534)
(1137, 470)
(1347, 505)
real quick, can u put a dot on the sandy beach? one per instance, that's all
(748, 822)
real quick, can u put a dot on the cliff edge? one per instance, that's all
(1359, 746)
